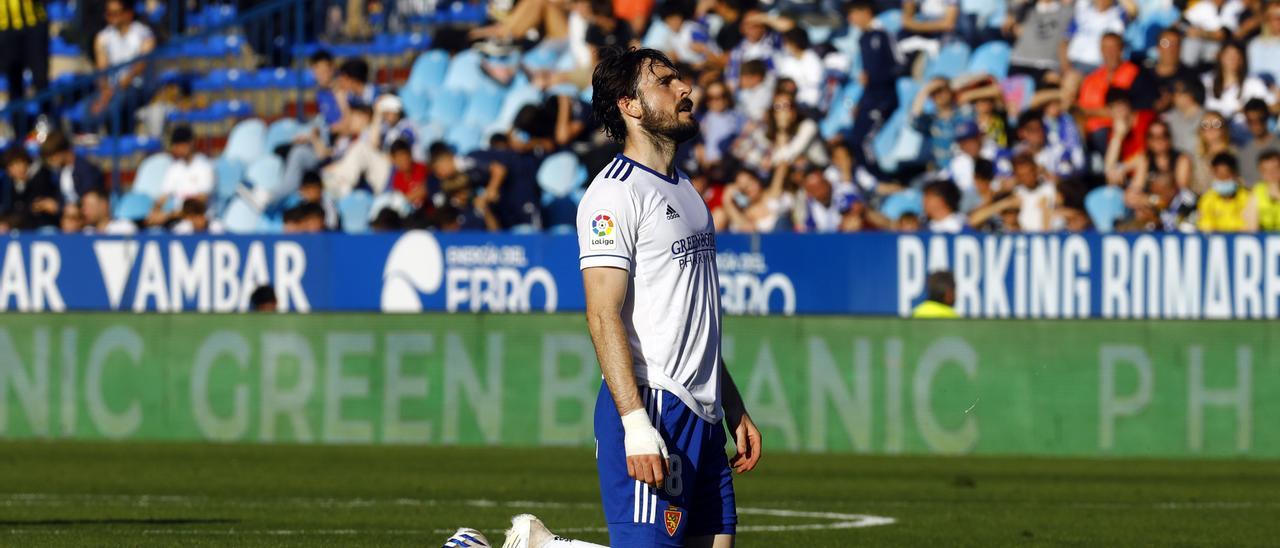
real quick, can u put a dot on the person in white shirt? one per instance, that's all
(825, 203)
(647, 253)
(191, 173)
(1228, 86)
(1037, 197)
(754, 95)
(803, 66)
(1209, 24)
(941, 203)
(1093, 20)
(122, 91)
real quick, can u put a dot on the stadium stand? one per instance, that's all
(275, 90)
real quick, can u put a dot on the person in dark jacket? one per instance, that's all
(71, 174)
(31, 202)
(881, 65)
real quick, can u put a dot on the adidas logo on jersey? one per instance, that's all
(671, 213)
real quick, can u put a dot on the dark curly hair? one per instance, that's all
(616, 76)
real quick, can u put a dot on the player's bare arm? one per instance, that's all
(746, 437)
(606, 290)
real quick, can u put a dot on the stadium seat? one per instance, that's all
(1105, 206)
(465, 75)
(991, 58)
(416, 104)
(281, 132)
(227, 175)
(428, 71)
(907, 201)
(949, 63)
(840, 115)
(247, 142)
(354, 210)
(891, 20)
(393, 200)
(519, 96)
(481, 107)
(560, 174)
(132, 206)
(464, 138)
(150, 178)
(447, 108)
(241, 218)
(266, 173)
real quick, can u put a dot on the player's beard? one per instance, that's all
(667, 125)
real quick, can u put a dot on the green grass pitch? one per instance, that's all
(102, 494)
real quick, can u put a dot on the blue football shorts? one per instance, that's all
(696, 500)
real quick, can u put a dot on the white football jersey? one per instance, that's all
(659, 229)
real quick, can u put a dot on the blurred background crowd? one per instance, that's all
(816, 115)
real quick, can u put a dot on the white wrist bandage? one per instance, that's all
(641, 438)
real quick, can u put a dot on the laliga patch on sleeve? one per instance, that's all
(604, 231)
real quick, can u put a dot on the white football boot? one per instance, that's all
(527, 531)
(467, 537)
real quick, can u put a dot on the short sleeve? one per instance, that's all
(607, 224)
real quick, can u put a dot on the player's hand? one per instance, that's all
(646, 450)
(747, 440)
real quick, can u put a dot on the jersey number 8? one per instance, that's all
(674, 484)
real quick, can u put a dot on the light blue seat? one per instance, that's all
(991, 58)
(1105, 206)
(132, 206)
(354, 209)
(417, 104)
(247, 141)
(267, 173)
(481, 108)
(891, 20)
(949, 63)
(907, 201)
(520, 96)
(241, 218)
(281, 132)
(560, 174)
(466, 75)
(840, 116)
(150, 177)
(447, 108)
(464, 138)
(227, 175)
(428, 71)
(907, 90)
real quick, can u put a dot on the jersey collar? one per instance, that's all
(675, 180)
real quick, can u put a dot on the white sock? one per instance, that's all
(559, 542)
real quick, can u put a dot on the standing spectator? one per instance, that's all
(190, 175)
(1209, 24)
(121, 91)
(1167, 68)
(1159, 161)
(71, 173)
(824, 205)
(1264, 50)
(1038, 198)
(97, 216)
(1093, 20)
(1185, 116)
(1258, 121)
(881, 64)
(799, 63)
(31, 203)
(1039, 27)
(941, 297)
(927, 24)
(1215, 139)
(1229, 85)
(1115, 74)
(1263, 212)
(24, 45)
(1221, 209)
(940, 127)
(941, 206)
(720, 124)
(755, 90)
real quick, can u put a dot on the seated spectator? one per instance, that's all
(71, 173)
(720, 124)
(1221, 208)
(683, 39)
(352, 158)
(1260, 139)
(1159, 161)
(1229, 85)
(1263, 211)
(907, 222)
(1264, 50)
(1054, 157)
(352, 86)
(1092, 21)
(939, 128)
(194, 219)
(1215, 139)
(824, 204)
(124, 90)
(755, 90)
(321, 66)
(30, 203)
(941, 203)
(760, 41)
(304, 218)
(798, 62)
(312, 192)
(461, 209)
(786, 137)
(928, 24)
(1185, 116)
(968, 151)
(551, 125)
(1128, 130)
(984, 174)
(96, 210)
(1115, 73)
(1209, 24)
(1039, 28)
(189, 176)
(1166, 67)
(995, 211)
(392, 125)
(753, 208)
(407, 176)
(386, 220)
(1037, 198)
(72, 220)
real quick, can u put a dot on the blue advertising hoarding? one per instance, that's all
(998, 276)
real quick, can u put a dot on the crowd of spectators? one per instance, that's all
(1176, 137)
